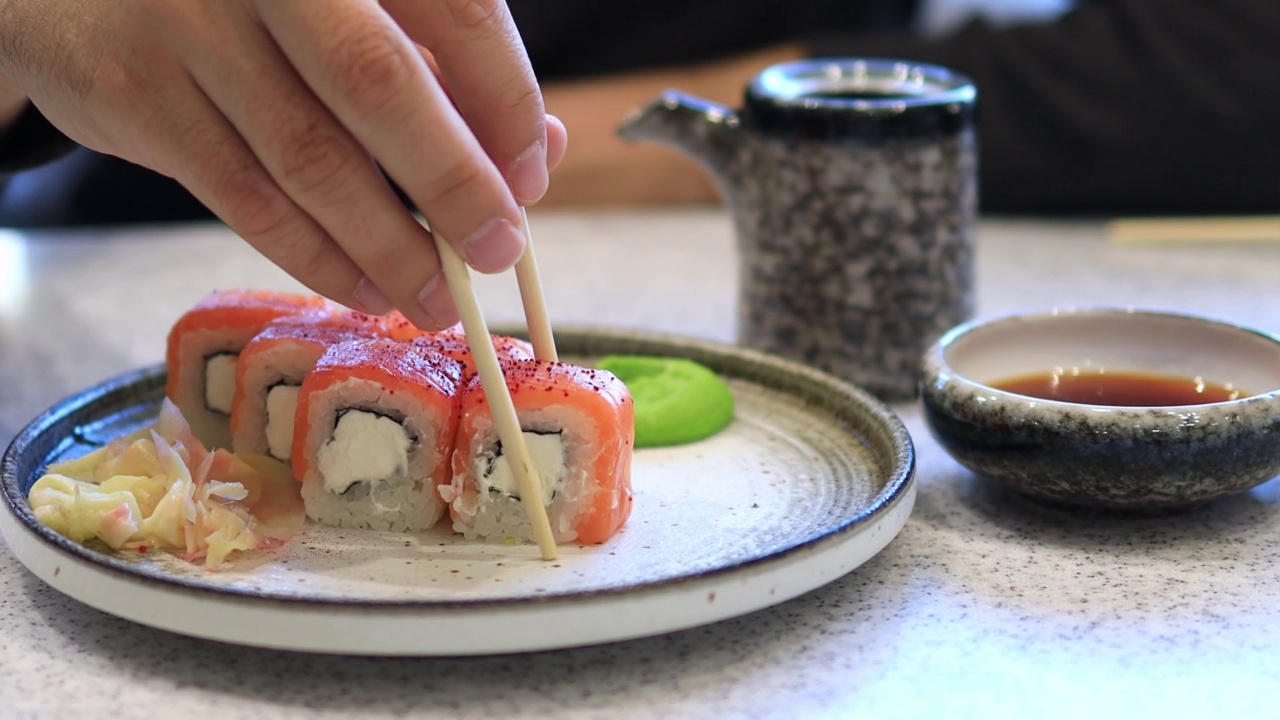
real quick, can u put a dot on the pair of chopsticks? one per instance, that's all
(1243, 228)
(495, 385)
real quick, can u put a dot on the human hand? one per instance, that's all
(278, 114)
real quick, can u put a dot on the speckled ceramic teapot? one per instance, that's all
(852, 183)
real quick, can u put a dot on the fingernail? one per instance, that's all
(371, 299)
(528, 175)
(436, 302)
(496, 246)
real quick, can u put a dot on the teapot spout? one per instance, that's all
(705, 131)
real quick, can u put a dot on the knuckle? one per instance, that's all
(270, 222)
(111, 79)
(373, 67)
(389, 263)
(526, 99)
(304, 255)
(296, 246)
(457, 181)
(123, 90)
(481, 17)
(253, 207)
(313, 162)
(166, 144)
(189, 131)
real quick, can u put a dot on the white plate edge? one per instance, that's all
(456, 631)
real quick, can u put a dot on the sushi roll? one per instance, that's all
(398, 327)
(453, 342)
(579, 425)
(204, 345)
(270, 370)
(373, 433)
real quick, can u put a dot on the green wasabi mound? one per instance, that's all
(677, 400)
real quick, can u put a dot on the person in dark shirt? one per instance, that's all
(1117, 107)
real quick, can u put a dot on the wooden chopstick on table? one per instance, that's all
(497, 393)
(1239, 228)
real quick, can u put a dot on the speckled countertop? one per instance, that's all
(984, 606)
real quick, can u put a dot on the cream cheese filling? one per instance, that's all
(364, 447)
(282, 405)
(547, 453)
(220, 381)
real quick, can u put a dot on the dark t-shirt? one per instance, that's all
(1121, 106)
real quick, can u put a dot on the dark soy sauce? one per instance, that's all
(1122, 388)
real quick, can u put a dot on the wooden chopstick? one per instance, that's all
(535, 305)
(499, 397)
(1241, 228)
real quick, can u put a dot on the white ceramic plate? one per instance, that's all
(811, 479)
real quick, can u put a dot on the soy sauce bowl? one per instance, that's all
(1146, 459)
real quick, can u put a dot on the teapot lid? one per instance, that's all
(868, 98)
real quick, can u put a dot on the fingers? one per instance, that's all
(557, 135)
(480, 56)
(194, 144)
(281, 116)
(557, 141)
(361, 66)
(322, 169)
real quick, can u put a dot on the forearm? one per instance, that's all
(600, 169)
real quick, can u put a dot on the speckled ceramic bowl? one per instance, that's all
(1158, 458)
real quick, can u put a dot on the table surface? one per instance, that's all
(985, 605)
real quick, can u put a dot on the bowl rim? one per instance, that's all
(935, 364)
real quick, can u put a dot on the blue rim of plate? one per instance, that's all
(861, 413)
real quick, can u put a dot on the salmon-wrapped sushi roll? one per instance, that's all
(399, 328)
(579, 426)
(374, 428)
(270, 371)
(203, 347)
(453, 342)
